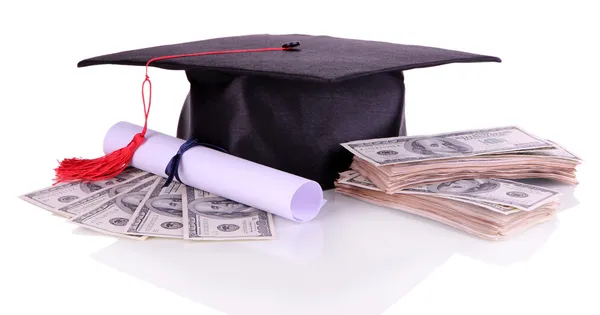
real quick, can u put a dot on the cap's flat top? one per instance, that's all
(317, 58)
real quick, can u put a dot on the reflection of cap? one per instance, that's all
(290, 109)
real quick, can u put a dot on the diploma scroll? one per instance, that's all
(283, 194)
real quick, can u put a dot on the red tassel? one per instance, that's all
(113, 164)
(101, 168)
(110, 165)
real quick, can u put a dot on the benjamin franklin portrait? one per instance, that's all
(221, 208)
(129, 202)
(466, 186)
(118, 189)
(437, 146)
(169, 205)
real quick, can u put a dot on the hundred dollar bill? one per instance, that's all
(353, 178)
(161, 213)
(387, 151)
(501, 196)
(112, 216)
(497, 191)
(210, 217)
(90, 202)
(58, 196)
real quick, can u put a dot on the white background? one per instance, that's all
(354, 258)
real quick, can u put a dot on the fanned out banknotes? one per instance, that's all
(138, 205)
(462, 179)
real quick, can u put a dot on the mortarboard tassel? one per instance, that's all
(111, 165)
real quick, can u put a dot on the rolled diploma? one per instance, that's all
(253, 184)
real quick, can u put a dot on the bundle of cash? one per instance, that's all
(138, 205)
(393, 164)
(492, 209)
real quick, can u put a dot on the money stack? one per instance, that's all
(462, 179)
(492, 209)
(138, 205)
(393, 164)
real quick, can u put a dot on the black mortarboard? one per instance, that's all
(291, 109)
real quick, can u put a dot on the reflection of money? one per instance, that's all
(160, 213)
(396, 150)
(112, 216)
(101, 196)
(58, 196)
(210, 217)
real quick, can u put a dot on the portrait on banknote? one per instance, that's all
(169, 205)
(117, 190)
(466, 186)
(130, 202)
(221, 208)
(436, 145)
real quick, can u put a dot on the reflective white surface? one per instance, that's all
(354, 258)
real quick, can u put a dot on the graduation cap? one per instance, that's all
(288, 101)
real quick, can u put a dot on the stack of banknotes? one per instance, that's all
(139, 205)
(463, 179)
(393, 164)
(492, 209)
